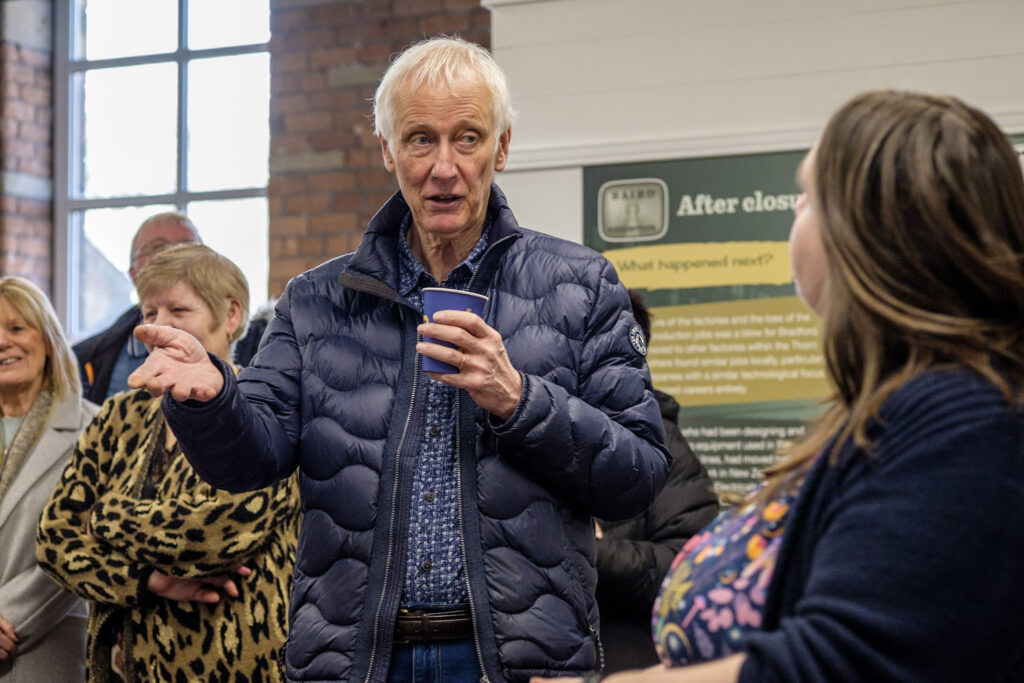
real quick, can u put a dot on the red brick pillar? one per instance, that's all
(326, 174)
(26, 164)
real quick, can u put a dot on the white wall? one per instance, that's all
(605, 81)
(546, 199)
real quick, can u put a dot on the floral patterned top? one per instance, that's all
(714, 593)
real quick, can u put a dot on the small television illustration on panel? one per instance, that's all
(634, 210)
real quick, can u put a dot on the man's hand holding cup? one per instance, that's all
(461, 350)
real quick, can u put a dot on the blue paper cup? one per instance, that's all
(440, 299)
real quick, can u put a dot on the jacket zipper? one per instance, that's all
(600, 647)
(483, 257)
(458, 482)
(394, 500)
(462, 536)
(394, 517)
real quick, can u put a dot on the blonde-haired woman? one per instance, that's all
(889, 545)
(186, 582)
(42, 626)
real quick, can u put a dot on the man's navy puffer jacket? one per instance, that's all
(336, 390)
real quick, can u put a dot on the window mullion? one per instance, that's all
(66, 107)
(76, 65)
(169, 198)
(74, 213)
(182, 58)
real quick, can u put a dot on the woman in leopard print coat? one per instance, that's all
(186, 582)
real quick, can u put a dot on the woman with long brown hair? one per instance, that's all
(888, 545)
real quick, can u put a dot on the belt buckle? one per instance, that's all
(402, 612)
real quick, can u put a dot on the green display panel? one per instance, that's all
(705, 241)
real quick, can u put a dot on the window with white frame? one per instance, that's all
(159, 105)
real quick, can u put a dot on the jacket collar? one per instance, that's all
(377, 255)
(56, 435)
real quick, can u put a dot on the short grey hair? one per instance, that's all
(166, 217)
(442, 62)
(212, 277)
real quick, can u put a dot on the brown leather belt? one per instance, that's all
(415, 626)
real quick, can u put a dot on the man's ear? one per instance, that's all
(501, 158)
(389, 161)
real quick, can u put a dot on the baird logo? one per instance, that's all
(633, 210)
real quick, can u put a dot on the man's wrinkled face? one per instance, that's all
(444, 157)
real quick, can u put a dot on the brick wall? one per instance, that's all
(26, 165)
(326, 174)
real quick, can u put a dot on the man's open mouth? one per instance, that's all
(445, 198)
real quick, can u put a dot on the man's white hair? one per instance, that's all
(443, 62)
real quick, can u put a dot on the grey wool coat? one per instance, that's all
(50, 622)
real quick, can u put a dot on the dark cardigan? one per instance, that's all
(906, 564)
(100, 352)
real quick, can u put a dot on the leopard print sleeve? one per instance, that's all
(65, 548)
(192, 529)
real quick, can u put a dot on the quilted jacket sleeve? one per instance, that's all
(66, 549)
(601, 448)
(211, 532)
(243, 442)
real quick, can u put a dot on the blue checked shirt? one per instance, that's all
(434, 568)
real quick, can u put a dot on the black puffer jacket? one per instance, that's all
(634, 555)
(98, 354)
(337, 391)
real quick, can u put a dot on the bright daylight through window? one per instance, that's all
(161, 105)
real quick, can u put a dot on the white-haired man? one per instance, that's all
(447, 532)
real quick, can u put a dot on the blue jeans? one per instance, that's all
(437, 661)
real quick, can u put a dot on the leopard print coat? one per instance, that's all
(100, 539)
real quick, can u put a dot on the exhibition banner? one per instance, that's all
(705, 242)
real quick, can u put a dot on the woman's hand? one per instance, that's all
(725, 670)
(199, 589)
(8, 639)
